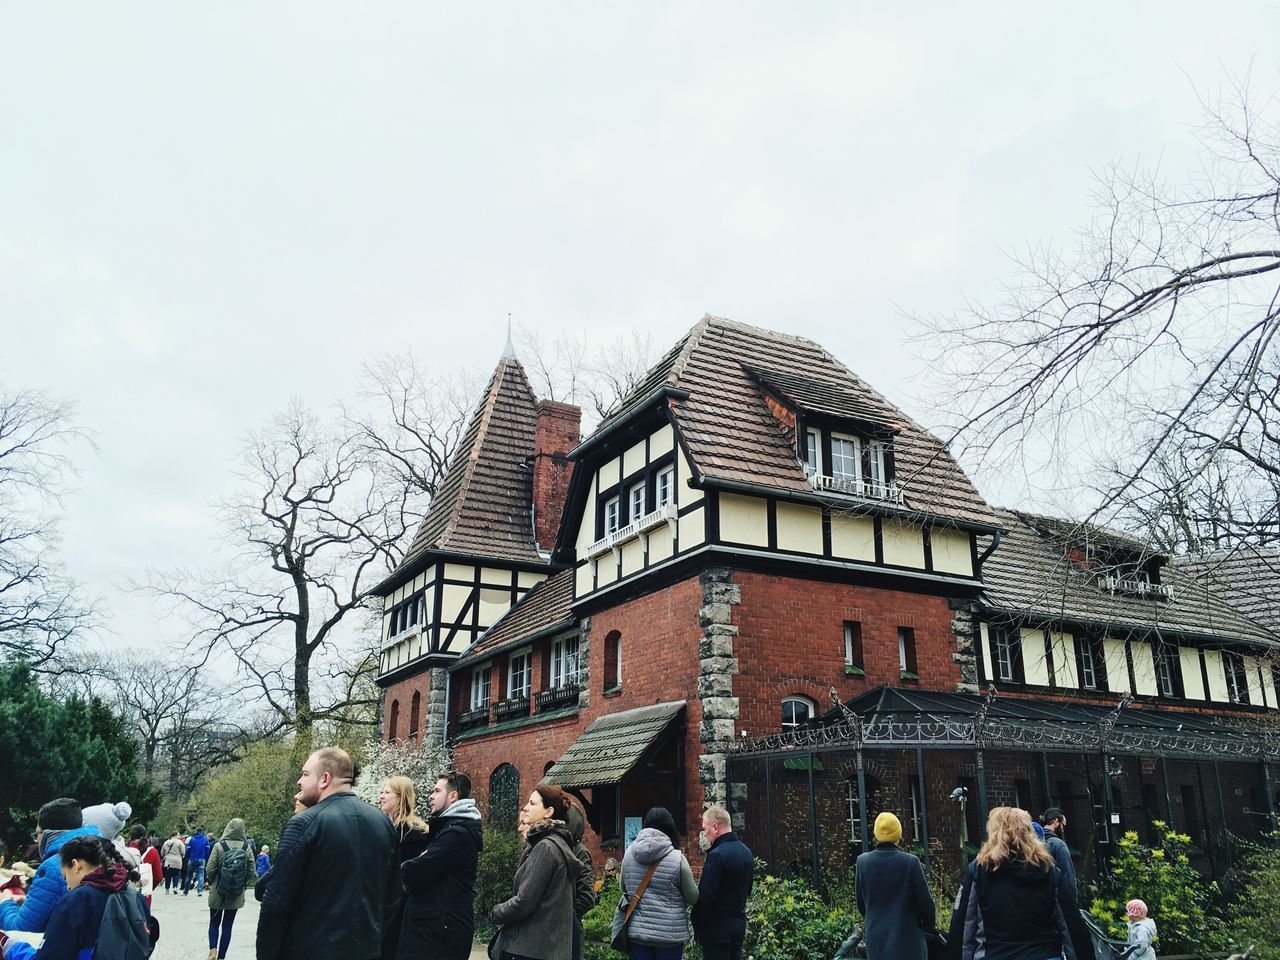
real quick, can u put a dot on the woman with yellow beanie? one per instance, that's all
(893, 897)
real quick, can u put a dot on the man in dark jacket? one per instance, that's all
(439, 919)
(893, 897)
(1055, 823)
(720, 915)
(335, 886)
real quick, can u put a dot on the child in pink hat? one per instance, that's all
(1142, 931)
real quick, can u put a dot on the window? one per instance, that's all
(393, 727)
(1168, 671)
(812, 452)
(1237, 683)
(853, 645)
(611, 515)
(1022, 794)
(1004, 644)
(504, 797)
(1088, 666)
(846, 458)
(564, 662)
(481, 686)
(408, 614)
(518, 675)
(878, 477)
(796, 712)
(612, 661)
(664, 487)
(907, 653)
(415, 711)
(917, 811)
(637, 501)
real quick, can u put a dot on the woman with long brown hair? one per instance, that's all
(1014, 903)
(399, 801)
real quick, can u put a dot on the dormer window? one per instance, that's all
(846, 462)
(846, 458)
(812, 452)
(664, 486)
(611, 523)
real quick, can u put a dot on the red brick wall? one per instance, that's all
(403, 691)
(557, 432)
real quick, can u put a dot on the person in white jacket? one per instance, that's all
(1142, 931)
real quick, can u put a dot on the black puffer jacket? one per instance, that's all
(334, 888)
(1017, 912)
(439, 920)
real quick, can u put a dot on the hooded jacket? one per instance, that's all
(47, 886)
(232, 838)
(538, 921)
(894, 900)
(584, 897)
(72, 932)
(1142, 934)
(1016, 912)
(440, 886)
(198, 846)
(660, 918)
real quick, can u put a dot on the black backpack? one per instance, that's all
(233, 870)
(125, 933)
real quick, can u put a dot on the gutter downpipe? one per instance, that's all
(995, 542)
(444, 724)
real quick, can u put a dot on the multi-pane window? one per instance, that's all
(907, 652)
(1088, 667)
(1237, 683)
(518, 675)
(796, 712)
(846, 458)
(636, 497)
(408, 614)
(481, 686)
(1002, 642)
(878, 477)
(664, 486)
(1166, 668)
(853, 644)
(564, 662)
(611, 515)
(812, 451)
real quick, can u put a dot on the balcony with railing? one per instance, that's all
(636, 528)
(1136, 587)
(557, 697)
(511, 709)
(473, 718)
(856, 487)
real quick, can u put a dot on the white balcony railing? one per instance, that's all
(408, 634)
(639, 527)
(1136, 587)
(853, 487)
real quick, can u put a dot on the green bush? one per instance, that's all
(1176, 895)
(494, 873)
(787, 919)
(258, 788)
(1252, 915)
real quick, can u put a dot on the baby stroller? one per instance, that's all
(855, 948)
(1104, 948)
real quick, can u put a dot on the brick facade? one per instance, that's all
(557, 431)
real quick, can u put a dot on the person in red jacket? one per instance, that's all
(139, 841)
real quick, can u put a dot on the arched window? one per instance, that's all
(415, 711)
(612, 660)
(546, 768)
(393, 726)
(796, 712)
(504, 797)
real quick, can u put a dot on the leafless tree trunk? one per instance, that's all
(41, 611)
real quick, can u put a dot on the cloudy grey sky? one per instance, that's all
(206, 209)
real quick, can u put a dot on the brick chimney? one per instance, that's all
(556, 433)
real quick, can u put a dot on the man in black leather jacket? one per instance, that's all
(335, 887)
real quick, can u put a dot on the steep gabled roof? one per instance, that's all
(1248, 577)
(484, 506)
(1032, 573)
(543, 608)
(731, 435)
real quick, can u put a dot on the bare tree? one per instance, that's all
(567, 368)
(40, 608)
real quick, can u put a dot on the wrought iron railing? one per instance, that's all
(557, 697)
(509, 709)
(479, 717)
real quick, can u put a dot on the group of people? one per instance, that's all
(1017, 899)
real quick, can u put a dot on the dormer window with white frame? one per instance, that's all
(812, 452)
(636, 500)
(664, 486)
(846, 458)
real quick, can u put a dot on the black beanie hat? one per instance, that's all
(61, 814)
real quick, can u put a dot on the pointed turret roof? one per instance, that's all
(484, 505)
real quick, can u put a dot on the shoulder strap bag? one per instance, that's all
(621, 918)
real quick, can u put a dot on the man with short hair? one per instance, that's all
(1055, 824)
(720, 915)
(198, 848)
(335, 886)
(439, 919)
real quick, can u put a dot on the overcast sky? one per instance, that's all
(206, 209)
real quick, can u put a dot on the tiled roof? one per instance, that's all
(1031, 572)
(731, 435)
(484, 506)
(1248, 577)
(545, 606)
(832, 399)
(612, 746)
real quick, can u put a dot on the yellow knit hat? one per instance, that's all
(888, 828)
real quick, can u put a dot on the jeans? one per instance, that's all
(724, 950)
(172, 878)
(224, 919)
(648, 951)
(195, 874)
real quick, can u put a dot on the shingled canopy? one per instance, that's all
(614, 745)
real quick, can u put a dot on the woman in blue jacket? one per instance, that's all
(94, 872)
(58, 822)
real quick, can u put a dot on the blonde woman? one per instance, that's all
(1013, 902)
(399, 800)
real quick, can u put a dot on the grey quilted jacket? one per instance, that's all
(661, 916)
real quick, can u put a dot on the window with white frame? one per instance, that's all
(846, 457)
(796, 712)
(1088, 667)
(664, 486)
(564, 662)
(611, 515)
(879, 476)
(636, 499)
(1166, 667)
(812, 451)
(518, 675)
(481, 686)
(1002, 640)
(853, 644)
(1237, 683)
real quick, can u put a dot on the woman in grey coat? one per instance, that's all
(659, 926)
(893, 897)
(538, 922)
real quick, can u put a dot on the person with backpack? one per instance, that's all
(230, 863)
(102, 917)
